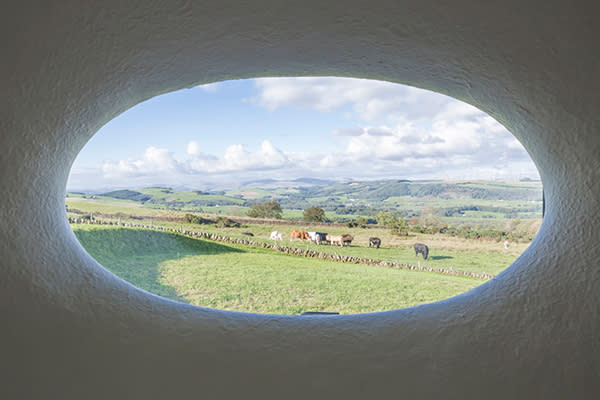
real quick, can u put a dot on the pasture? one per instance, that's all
(477, 203)
(480, 256)
(250, 279)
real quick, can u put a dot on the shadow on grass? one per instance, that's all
(440, 257)
(136, 255)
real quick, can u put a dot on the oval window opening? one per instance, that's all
(303, 195)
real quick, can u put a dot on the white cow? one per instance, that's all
(317, 237)
(276, 236)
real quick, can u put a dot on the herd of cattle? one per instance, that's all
(340, 240)
(316, 237)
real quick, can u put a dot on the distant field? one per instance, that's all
(107, 205)
(242, 278)
(474, 203)
(167, 195)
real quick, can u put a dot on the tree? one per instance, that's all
(400, 227)
(397, 223)
(429, 216)
(195, 219)
(269, 209)
(224, 222)
(386, 218)
(360, 221)
(314, 214)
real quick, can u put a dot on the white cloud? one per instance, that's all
(192, 148)
(422, 129)
(356, 131)
(396, 132)
(154, 161)
(237, 158)
(466, 142)
(210, 87)
(160, 165)
(370, 100)
(379, 131)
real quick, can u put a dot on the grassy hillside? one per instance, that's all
(483, 203)
(158, 197)
(243, 278)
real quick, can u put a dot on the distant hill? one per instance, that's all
(127, 195)
(452, 199)
(291, 194)
(382, 190)
(278, 183)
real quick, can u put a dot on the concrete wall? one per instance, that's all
(72, 330)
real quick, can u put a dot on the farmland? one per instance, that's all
(469, 202)
(241, 278)
(250, 278)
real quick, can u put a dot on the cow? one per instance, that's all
(347, 239)
(276, 236)
(337, 239)
(340, 240)
(423, 249)
(374, 241)
(317, 237)
(321, 237)
(246, 233)
(295, 234)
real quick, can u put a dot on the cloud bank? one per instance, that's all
(396, 132)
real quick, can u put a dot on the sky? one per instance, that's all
(224, 133)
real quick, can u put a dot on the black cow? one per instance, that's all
(374, 241)
(423, 249)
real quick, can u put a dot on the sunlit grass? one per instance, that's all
(243, 278)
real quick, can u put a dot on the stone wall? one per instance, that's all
(290, 250)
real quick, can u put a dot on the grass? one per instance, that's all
(136, 255)
(166, 195)
(480, 256)
(446, 251)
(243, 278)
(107, 205)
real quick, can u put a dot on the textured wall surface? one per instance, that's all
(72, 330)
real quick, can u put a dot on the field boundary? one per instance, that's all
(289, 250)
(238, 219)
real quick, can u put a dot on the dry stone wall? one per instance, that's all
(288, 250)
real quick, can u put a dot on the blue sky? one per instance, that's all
(285, 128)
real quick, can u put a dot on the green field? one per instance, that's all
(254, 279)
(446, 252)
(245, 278)
(476, 203)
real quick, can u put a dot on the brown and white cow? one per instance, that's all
(340, 240)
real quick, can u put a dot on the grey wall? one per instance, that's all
(72, 330)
